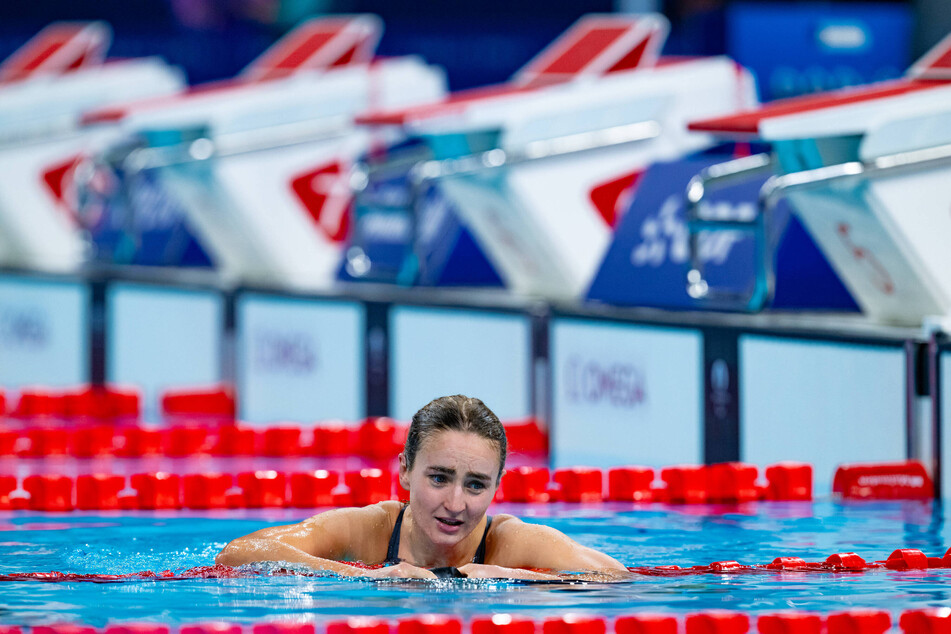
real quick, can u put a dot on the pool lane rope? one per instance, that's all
(899, 560)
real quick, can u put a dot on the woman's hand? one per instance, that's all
(485, 571)
(401, 570)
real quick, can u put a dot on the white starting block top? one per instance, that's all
(538, 221)
(884, 231)
(45, 87)
(263, 161)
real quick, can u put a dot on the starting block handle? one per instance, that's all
(709, 179)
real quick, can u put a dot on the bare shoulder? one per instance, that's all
(353, 533)
(506, 527)
(517, 544)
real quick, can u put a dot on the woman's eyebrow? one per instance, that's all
(452, 472)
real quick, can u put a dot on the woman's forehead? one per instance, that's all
(453, 445)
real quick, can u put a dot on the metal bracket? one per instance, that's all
(773, 190)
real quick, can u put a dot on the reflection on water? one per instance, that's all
(637, 536)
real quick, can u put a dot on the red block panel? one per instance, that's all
(574, 624)
(46, 441)
(38, 403)
(206, 490)
(525, 484)
(907, 559)
(686, 484)
(283, 628)
(849, 561)
(717, 623)
(888, 481)
(137, 628)
(580, 484)
(233, 440)
(8, 484)
(49, 492)
(791, 623)
(377, 437)
(859, 622)
(8, 442)
(646, 624)
(927, 621)
(331, 441)
(369, 486)
(98, 491)
(313, 488)
(92, 440)
(263, 489)
(730, 482)
(789, 481)
(785, 563)
(630, 484)
(526, 437)
(210, 628)
(358, 625)
(63, 628)
(135, 441)
(184, 440)
(216, 402)
(430, 624)
(502, 624)
(156, 491)
(283, 440)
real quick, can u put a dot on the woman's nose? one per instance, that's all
(455, 501)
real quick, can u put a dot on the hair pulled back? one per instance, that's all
(457, 413)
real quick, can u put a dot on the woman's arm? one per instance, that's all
(519, 546)
(320, 542)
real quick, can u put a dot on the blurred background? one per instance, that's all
(213, 39)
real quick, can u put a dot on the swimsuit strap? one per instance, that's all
(480, 552)
(393, 550)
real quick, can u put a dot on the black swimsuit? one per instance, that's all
(393, 550)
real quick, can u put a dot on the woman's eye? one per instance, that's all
(438, 478)
(476, 485)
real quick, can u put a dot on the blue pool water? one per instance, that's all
(648, 535)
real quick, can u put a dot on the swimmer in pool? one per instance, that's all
(451, 465)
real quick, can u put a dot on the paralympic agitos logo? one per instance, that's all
(592, 382)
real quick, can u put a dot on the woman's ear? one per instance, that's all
(403, 472)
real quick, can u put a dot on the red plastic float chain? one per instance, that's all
(858, 621)
(901, 559)
(725, 483)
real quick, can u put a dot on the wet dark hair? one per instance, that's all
(458, 413)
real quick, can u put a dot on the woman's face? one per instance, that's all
(451, 484)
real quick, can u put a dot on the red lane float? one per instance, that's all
(892, 481)
(646, 624)
(313, 488)
(502, 624)
(630, 484)
(860, 621)
(96, 492)
(215, 403)
(789, 623)
(579, 484)
(927, 621)
(856, 621)
(206, 490)
(137, 628)
(283, 628)
(359, 625)
(789, 481)
(575, 624)
(430, 624)
(717, 622)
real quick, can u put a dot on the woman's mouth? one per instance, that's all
(449, 525)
